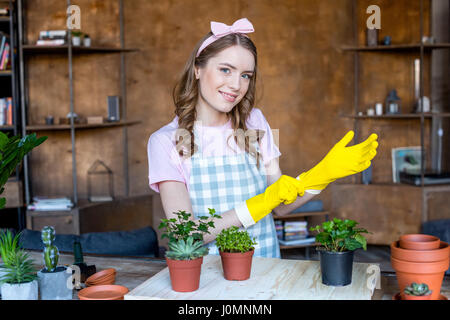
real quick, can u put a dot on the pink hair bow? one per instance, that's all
(220, 30)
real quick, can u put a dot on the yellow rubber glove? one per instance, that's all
(341, 161)
(285, 190)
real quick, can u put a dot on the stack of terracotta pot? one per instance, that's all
(420, 258)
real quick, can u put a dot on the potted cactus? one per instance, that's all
(185, 255)
(236, 249)
(18, 281)
(339, 239)
(417, 291)
(54, 282)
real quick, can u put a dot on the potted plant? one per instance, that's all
(54, 283)
(339, 239)
(76, 38)
(19, 279)
(86, 40)
(8, 243)
(417, 291)
(185, 255)
(236, 249)
(12, 151)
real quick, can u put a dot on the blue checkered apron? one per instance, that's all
(221, 183)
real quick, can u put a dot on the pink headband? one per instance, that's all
(220, 30)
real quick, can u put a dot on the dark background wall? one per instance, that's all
(305, 79)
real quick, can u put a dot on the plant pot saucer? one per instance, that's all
(103, 292)
(397, 297)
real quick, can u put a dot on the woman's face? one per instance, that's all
(225, 79)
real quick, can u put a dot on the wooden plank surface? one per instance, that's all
(271, 279)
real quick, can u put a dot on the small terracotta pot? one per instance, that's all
(419, 242)
(442, 253)
(185, 274)
(431, 273)
(237, 265)
(409, 297)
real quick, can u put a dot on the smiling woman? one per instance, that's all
(195, 165)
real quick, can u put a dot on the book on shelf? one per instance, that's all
(4, 61)
(6, 111)
(51, 34)
(50, 204)
(297, 242)
(4, 11)
(56, 42)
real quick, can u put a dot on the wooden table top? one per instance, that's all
(134, 271)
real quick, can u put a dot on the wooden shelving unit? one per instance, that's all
(397, 47)
(81, 126)
(70, 220)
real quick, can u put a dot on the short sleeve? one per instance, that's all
(269, 148)
(162, 163)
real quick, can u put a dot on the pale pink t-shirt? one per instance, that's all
(164, 162)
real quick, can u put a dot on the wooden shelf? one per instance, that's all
(59, 127)
(6, 127)
(29, 48)
(426, 115)
(5, 19)
(5, 73)
(300, 215)
(397, 47)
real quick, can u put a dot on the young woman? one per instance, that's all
(219, 151)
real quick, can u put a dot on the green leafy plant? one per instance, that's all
(77, 33)
(340, 235)
(19, 268)
(8, 244)
(183, 226)
(12, 151)
(17, 263)
(416, 289)
(233, 240)
(51, 253)
(186, 250)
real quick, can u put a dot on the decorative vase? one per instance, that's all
(87, 42)
(76, 41)
(419, 242)
(185, 274)
(336, 267)
(20, 291)
(55, 285)
(431, 273)
(237, 265)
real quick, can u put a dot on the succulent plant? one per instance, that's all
(19, 268)
(186, 250)
(51, 254)
(416, 289)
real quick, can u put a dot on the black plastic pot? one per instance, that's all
(336, 267)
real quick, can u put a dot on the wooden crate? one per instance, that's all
(271, 279)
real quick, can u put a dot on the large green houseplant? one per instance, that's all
(12, 151)
(339, 239)
(236, 249)
(185, 255)
(18, 281)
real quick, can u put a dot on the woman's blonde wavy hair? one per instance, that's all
(186, 90)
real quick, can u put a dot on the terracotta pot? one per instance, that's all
(237, 265)
(420, 255)
(431, 273)
(408, 297)
(185, 274)
(419, 242)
